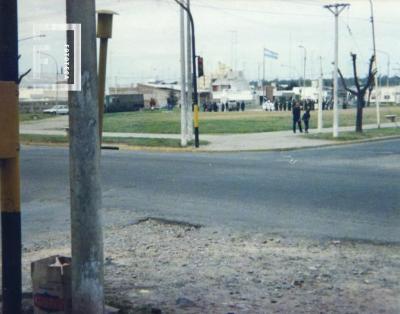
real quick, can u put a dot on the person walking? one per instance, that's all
(306, 119)
(296, 112)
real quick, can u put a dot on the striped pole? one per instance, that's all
(9, 159)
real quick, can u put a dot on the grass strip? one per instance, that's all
(353, 136)
(144, 142)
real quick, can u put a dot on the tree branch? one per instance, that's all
(345, 85)
(371, 74)
(354, 57)
(23, 75)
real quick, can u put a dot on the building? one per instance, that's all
(386, 95)
(159, 91)
(35, 100)
(227, 85)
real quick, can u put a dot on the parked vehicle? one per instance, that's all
(58, 109)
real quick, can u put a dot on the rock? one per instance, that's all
(184, 302)
(298, 283)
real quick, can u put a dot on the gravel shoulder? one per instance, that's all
(155, 266)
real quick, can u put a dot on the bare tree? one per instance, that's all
(360, 90)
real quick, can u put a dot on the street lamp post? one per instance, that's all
(336, 9)
(378, 115)
(56, 64)
(305, 64)
(388, 64)
(104, 33)
(195, 95)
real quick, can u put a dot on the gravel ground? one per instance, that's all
(155, 266)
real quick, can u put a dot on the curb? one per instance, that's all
(126, 147)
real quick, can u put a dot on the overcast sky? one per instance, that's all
(145, 41)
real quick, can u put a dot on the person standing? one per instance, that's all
(306, 119)
(242, 105)
(296, 112)
(289, 105)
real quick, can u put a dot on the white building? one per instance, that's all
(227, 85)
(389, 95)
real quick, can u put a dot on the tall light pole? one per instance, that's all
(104, 32)
(189, 75)
(195, 95)
(378, 114)
(388, 64)
(320, 97)
(336, 9)
(304, 64)
(183, 80)
(263, 74)
(56, 64)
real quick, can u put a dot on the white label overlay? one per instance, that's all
(67, 74)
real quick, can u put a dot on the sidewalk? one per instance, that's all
(218, 142)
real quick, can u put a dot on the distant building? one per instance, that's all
(388, 95)
(159, 91)
(35, 100)
(227, 85)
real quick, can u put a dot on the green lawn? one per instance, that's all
(227, 122)
(33, 116)
(144, 142)
(351, 136)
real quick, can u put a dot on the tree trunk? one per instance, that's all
(359, 118)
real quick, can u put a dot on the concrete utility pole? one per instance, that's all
(336, 9)
(190, 100)
(86, 216)
(104, 32)
(304, 64)
(9, 159)
(388, 65)
(184, 102)
(194, 76)
(378, 113)
(320, 97)
(263, 76)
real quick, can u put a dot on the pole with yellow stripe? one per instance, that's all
(9, 159)
(196, 125)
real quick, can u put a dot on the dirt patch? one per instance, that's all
(159, 267)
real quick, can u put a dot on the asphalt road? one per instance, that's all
(341, 192)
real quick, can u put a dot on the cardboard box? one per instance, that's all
(51, 280)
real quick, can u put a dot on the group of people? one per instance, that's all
(215, 107)
(297, 117)
(288, 104)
